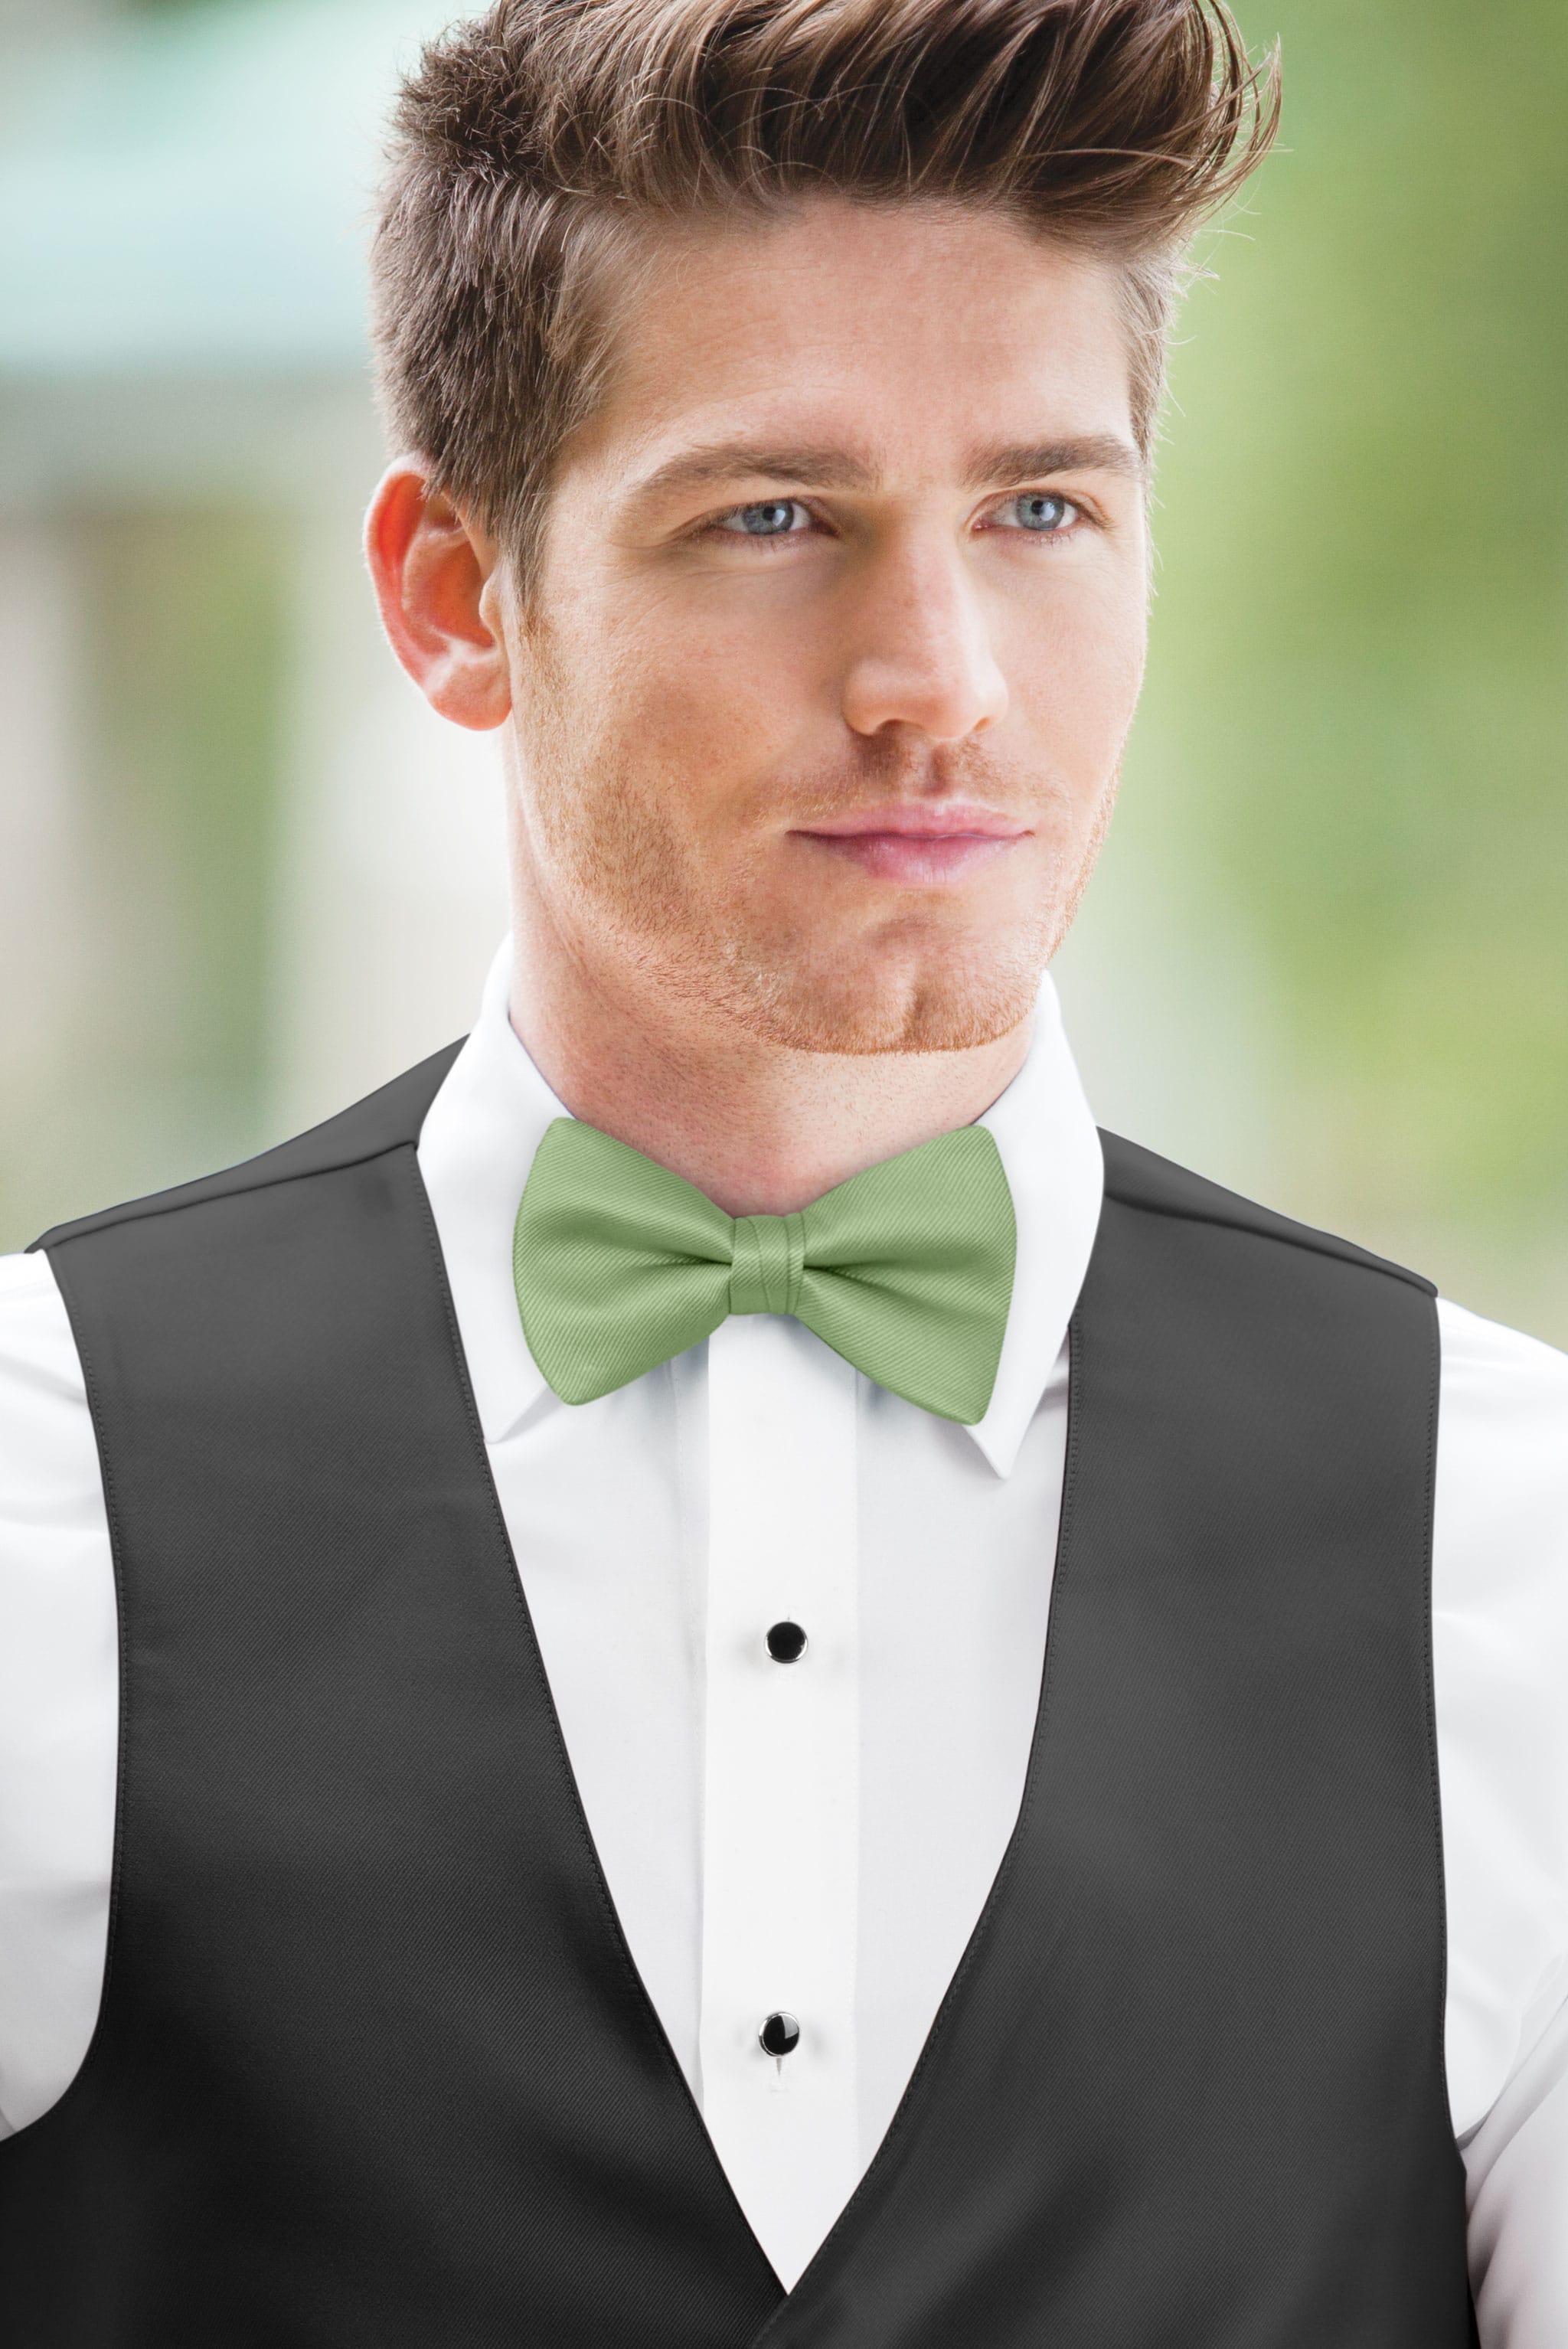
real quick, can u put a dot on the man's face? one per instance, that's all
(838, 629)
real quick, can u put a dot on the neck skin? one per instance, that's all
(760, 1130)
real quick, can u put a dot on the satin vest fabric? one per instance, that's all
(375, 2069)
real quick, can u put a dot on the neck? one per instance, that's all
(761, 1130)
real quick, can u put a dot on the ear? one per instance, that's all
(430, 570)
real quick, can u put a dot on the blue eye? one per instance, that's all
(1042, 513)
(769, 519)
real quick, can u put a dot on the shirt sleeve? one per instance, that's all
(58, 1700)
(1517, 2164)
(1500, 1588)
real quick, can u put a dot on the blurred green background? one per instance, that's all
(244, 875)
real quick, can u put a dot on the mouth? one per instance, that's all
(920, 844)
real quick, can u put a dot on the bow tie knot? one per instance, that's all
(905, 1270)
(768, 1265)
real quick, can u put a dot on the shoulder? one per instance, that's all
(1140, 1179)
(49, 1483)
(386, 1119)
(1503, 1460)
(1502, 1536)
(1495, 1370)
(38, 1354)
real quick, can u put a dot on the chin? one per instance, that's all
(952, 1007)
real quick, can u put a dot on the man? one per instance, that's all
(605, 1849)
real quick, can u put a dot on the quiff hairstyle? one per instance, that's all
(533, 148)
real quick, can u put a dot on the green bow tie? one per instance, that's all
(906, 1271)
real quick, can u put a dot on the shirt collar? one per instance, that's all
(1051, 1154)
(476, 1146)
(489, 1116)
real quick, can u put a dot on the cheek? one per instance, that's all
(707, 717)
(1080, 676)
(653, 759)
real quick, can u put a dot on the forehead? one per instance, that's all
(904, 332)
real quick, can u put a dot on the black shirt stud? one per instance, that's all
(786, 1645)
(780, 2035)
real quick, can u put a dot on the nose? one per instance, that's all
(920, 650)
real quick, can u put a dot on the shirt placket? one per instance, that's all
(780, 1829)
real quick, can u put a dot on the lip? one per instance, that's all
(920, 820)
(921, 843)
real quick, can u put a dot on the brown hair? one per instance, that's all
(528, 145)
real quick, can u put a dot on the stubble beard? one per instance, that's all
(624, 884)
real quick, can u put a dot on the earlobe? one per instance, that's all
(430, 569)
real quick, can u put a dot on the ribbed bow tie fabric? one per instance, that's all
(905, 1270)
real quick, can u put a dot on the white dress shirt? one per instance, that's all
(820, 1837)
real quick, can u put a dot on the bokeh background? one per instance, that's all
(244, 875)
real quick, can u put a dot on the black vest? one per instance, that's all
(374, 2068)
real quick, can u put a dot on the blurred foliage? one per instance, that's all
(185, 696)
(1365, 667)
(150, 1026)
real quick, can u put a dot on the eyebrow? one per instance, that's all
(1096, 453)
(835, 469)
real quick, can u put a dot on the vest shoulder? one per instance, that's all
(1139, 1178)
(385, 1120)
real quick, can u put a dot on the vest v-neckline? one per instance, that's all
(838, 2241)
